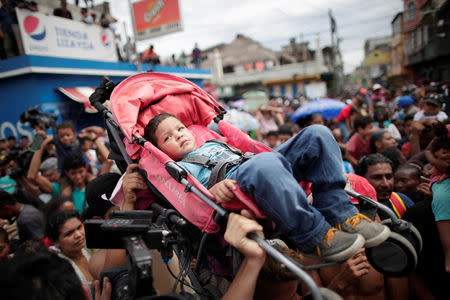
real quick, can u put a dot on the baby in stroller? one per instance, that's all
(330, 228)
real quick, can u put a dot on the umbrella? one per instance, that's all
(238, 103)
(241, 119)
(329, 108)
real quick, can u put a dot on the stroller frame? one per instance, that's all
(179, 174)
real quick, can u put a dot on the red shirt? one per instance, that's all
(405, 149)
(357, 148)
(345, 113)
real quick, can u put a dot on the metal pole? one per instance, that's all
(139, 66)
(333, 51)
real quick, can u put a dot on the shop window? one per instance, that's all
(411, 11)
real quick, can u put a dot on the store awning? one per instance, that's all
(81, 95)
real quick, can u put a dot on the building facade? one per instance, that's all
(427, 38)
(400, 74)
(245, 65)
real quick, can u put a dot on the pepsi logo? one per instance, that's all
(106, 38)
(34, 28)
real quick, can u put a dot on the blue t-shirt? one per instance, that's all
(77, 195)
(63, 151)
(441, 200)
(215, 152)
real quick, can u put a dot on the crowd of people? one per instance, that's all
(149, 56)
(397, 142)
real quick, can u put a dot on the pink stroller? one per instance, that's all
(134, 102)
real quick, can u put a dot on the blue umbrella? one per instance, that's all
(241, 119)
(329, 108)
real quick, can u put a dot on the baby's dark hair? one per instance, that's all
(65, 125)
(441, 143)
(152, 126)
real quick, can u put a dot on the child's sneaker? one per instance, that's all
(374, 233)
(338, 246)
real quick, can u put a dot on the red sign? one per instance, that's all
(156, 17)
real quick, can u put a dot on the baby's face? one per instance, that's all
(174, 139)
(443, 154)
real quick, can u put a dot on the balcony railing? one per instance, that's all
(277, 72)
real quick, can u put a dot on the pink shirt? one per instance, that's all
(357, 148)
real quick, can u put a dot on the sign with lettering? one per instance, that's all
(59, 37)
(377, 57)
(156, 17)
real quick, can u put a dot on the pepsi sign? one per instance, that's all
(34, 28)
(53, 36)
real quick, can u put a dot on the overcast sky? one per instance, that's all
(273, 23)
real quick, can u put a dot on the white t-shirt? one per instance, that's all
(441, 116)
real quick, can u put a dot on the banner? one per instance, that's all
(156, 17)
(59, 37)
(377, 57)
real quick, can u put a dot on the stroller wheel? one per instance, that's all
(396, 257)
(410, 233)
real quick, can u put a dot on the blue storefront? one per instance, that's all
(26, 81)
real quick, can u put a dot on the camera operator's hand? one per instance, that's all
(105, 293)
(132, 181)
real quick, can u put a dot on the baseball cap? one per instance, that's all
(98, 192)
(7, 184)
(376, 86)
(405, 101)
(361, 186)
(48, 164)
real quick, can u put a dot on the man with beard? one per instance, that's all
(410, 181)
(377, 169)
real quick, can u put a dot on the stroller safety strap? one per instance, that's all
(218, 168)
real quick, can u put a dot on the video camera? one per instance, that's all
(40, 119)
(137, 232)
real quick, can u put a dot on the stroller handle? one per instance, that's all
(367, 200)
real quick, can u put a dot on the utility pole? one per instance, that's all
(333, 51)
(139, 66)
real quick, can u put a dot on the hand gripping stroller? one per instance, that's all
(134, 90)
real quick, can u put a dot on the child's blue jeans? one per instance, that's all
(272, 178)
